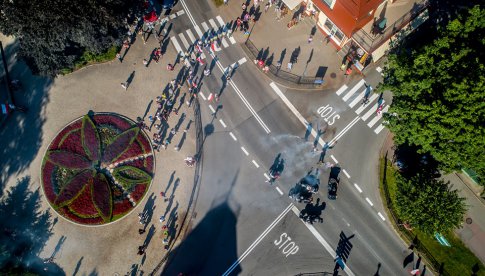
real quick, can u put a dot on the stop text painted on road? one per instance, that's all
(290, 249)
(327, 113)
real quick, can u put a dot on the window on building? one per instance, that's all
(329, 3)
(334, 31)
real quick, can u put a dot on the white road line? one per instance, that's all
(222, 123)
(346, 173)
(233, 137)
(357, 187)
(188, 12)
(266, 176)
(378, 117)
(342, 89)
(382, 217)
(180, 12)
(279, 191)
(353, 90)
(379, 129)
(176, 44)
(198, 31)
(205, 26)
(333, 158)
(172, 16)
(221, 22)
(242, 61)
(244, 100)
(258, 240)
(212, 109)
(371, 111)
(379, 69)
(322, 241)
(232, 40)
(368, 201)
(364, 106)
(202, 95)
(184, 41)
(245, 151)
(255, 164)
(213, 24)
(346, 128)
(357, 99)
(295, 112)
(224, 42)
(191, 35)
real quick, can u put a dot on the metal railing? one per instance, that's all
(370, 43)
(282, 75)
(408, 235)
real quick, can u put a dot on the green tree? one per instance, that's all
(438, 94)
(429, 204)
(53, 34)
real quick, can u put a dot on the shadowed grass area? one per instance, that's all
(89, 58)
(457, 259)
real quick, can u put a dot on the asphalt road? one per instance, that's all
(240, 218)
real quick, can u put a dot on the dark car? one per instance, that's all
(167, 4)
(332, 188)
(310, 182)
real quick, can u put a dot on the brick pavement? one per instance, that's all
(111, 249)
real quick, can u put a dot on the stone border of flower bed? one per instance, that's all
(97, 169)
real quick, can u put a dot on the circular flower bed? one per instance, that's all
(97, 169)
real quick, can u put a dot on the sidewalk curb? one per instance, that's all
(482, 201)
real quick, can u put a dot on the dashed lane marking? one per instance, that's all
(180, 12)
(176, 44)
(245, 151)
(368, 201)
(233, 137)
(172, 16)
(222, 123)
(333, 158)
(346, 173)
(255, 164)
(382, 217)
(203, 96)
(279, 191)
(379, 129)
(357, 187)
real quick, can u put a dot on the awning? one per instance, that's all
(291, 4)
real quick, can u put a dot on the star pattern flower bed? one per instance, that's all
(97, 169)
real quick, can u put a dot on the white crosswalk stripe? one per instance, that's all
(355, 95)
(378, 117)
(364, 106)
(353, 90)
(370, 111)
(189, 37)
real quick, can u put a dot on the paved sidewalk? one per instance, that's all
(278, 43)
(111, 249)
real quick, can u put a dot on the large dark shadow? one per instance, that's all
(25, 230)
(21, 133)
(211, 247)
(410, 162)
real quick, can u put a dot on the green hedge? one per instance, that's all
(89, 58)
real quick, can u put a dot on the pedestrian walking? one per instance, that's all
(210, 98)
(145, 62)
(141, 231)
(266, 7)
(207, 72)
(225, 2)
(124, 85)
(238, 24)
(243, 6)
(170, 67)
(310, 39)
(322, 156)
(118, 55)
(162, 219)
(289, 66)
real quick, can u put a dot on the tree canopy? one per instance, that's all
(54, 33)
(429, 204)
(438, 94)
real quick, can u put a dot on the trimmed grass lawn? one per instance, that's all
(457, 259)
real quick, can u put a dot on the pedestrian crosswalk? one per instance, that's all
(186, 40)
(354, 97)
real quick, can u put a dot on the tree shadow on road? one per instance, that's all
(21, 133)
(25, 230)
